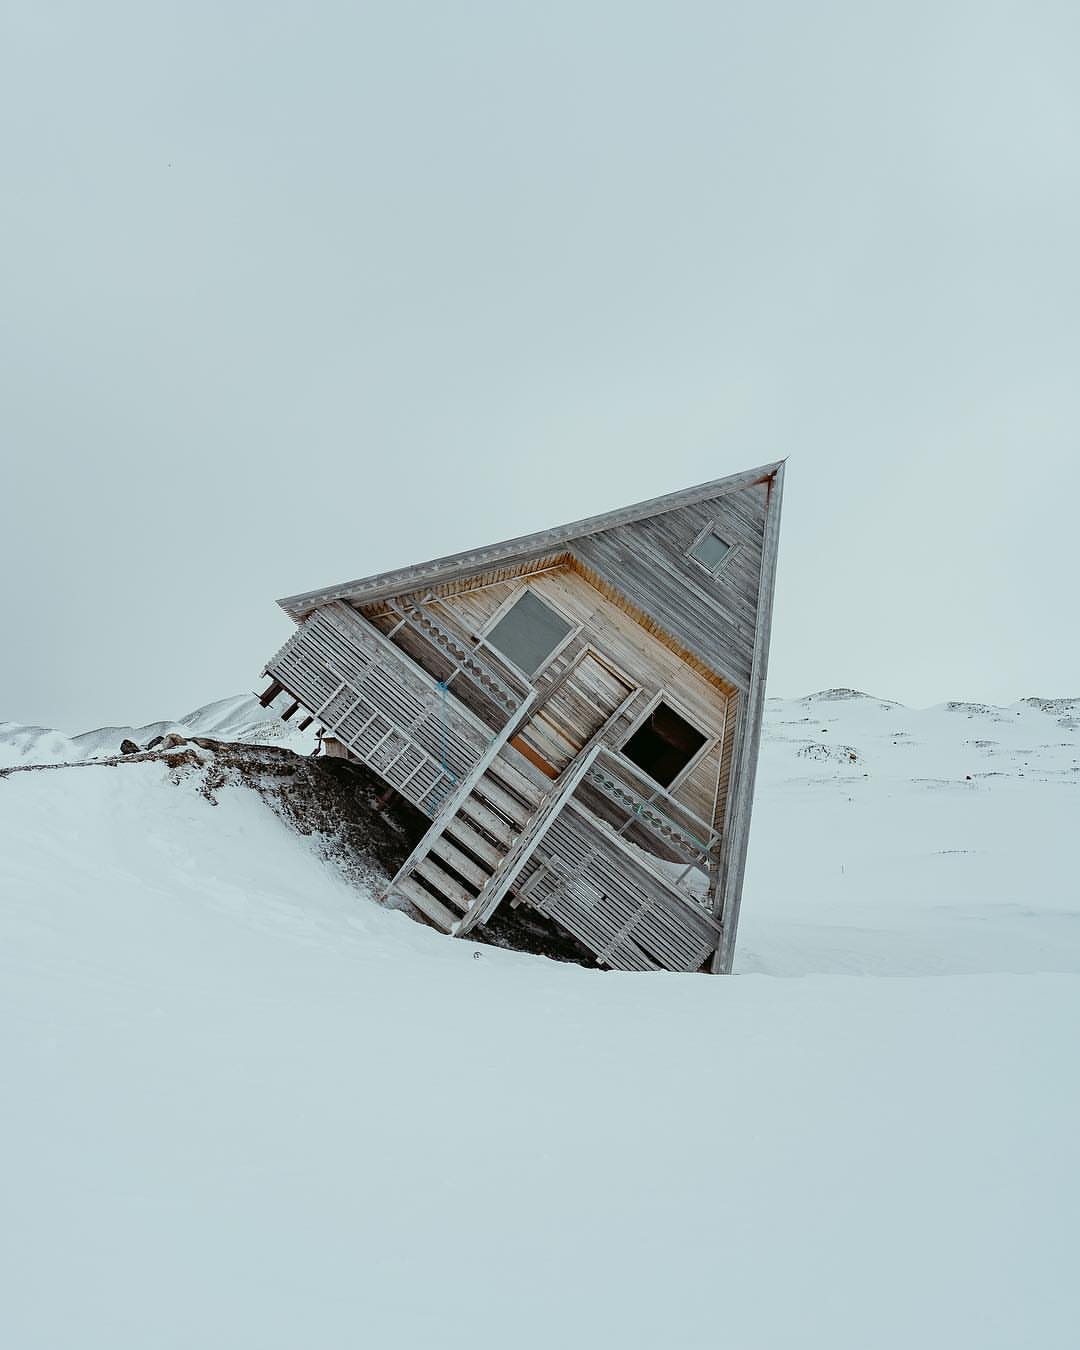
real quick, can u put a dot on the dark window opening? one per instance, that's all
(663, 745)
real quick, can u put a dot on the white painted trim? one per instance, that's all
(504, 609)
(588, 649)
(728, 898)
(732, 548)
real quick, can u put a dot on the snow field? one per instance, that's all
(244, 1107)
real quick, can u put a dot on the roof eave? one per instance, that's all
(540, 543)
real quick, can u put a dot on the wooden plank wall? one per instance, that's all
(747, 741)
(370, 697)
(714, 617)
(595, 888)
(647, 662)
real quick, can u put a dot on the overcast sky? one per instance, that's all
(296, 293)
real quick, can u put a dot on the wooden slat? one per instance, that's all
(460, 830)
(493, 795)
(487, 820)
(444, 883)
(442, 917)
(516, 779)
(449, 853)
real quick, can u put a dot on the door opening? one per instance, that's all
(572, 716)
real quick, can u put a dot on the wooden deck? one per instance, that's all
(598, 888)
(389, 712)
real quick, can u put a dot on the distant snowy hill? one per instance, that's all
(240, 718)
(892, 840)
(245, 1106)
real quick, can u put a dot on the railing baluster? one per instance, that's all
(421, 621)
(656, 810)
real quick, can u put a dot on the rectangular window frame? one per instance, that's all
(508, 604)
(712, 740)
(713, 527)
(588, 649)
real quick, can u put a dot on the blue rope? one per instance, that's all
(443, 690)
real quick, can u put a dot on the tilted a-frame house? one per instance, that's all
(577, 712)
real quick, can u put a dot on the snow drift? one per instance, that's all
(244, 1106)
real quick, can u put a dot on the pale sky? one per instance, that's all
(291, 294)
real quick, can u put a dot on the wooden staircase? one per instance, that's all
(462, 858)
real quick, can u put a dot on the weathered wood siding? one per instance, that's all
(607, 863)
(714, 617)
(577, 708)
(384, 709)
(747, 741)
(642, 658)
(594, 886)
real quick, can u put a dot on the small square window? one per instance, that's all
(710, 551)
(664, 744)
(528, 633)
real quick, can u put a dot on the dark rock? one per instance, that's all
(128, 747)
(152, 745)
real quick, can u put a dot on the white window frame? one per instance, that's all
(712, 740)
(588, 649)
(713, 527)
(508, 604)
(564, 677)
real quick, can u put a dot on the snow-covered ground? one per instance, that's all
(239, 718)
(890, 841)
(245, 1107)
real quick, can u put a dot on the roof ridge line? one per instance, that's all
(539, 541)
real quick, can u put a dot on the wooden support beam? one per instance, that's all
(729, 875)
(270, 693)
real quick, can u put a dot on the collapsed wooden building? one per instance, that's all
(577, 712)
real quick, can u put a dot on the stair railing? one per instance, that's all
(450, 807)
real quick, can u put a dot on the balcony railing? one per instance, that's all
(676, 842)
(457, 659)
(385, 708)
(613, 899)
